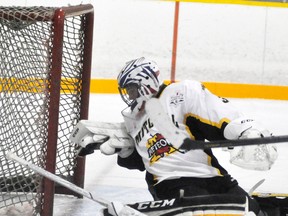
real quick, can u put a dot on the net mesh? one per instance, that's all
(25, 69)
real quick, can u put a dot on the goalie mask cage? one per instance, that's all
(45, 68)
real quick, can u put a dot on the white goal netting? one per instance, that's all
(43, 94)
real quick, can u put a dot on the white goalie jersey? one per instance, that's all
(202, 116)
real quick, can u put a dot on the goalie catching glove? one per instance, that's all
(255, 157)
(110, 138)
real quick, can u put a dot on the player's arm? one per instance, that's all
(110, 138)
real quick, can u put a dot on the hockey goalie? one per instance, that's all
(179, 181)
(91, 136)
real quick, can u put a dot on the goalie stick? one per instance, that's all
(55, 178)
(250, 192)
(125, 209)
(180, 139)
(189, 144)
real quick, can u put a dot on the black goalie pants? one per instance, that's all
(202, 186)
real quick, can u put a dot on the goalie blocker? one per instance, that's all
(110, 138)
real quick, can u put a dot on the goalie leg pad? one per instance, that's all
(198, 205)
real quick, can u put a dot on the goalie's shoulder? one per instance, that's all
(186, 84)
(183, 91)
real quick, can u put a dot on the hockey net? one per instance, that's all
(45, 64)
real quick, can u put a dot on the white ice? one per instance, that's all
(105, 180)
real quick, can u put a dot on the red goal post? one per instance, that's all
(45, 68)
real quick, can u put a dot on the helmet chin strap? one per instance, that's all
(141, 109)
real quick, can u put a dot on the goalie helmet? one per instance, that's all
(138, 81)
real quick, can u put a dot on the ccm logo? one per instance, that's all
(155, 204)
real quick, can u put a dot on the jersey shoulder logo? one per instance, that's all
(176, 99)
